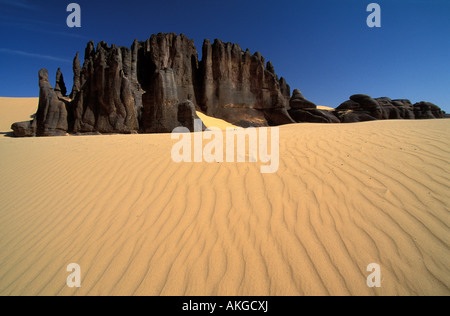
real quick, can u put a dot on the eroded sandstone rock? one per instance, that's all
(24, 129)
(60, 86)
(305, 111)
(427, 110)
(236, 86)
(105, 102)
(362, 107)
(51, 117)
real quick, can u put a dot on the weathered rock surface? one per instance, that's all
(302, 111)
(298, 101)
(105, 103)
(405, 108)
(359, 108)
(51, 117)
(76, 76)
(164, 72)
(167, 65)
(161, 104)
(285, 91)
(60, 85)
(24, 129)
(238, 87)
(364, 108)
(187, 116)
(427, 110)
(313, 116)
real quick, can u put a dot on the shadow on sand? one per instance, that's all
(8, 134)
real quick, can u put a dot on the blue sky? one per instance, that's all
(322, 47)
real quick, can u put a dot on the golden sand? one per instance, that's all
(326, 108)
(137, 223)
(214, 122)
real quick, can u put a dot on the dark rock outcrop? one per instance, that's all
(364, 108)
(76, 76)
(304, 111)
(169, 51)
(105, 103)
(159, 84)
(237, 87)
(162, 73)
(24, 129)
(405, 108)
(313, 116)
(359, 108)
(298, 101)
(51, 117)
(187, 116)
(395, 109)
(161, 105)
(60, 86)
(427, 110)
(285, 91)
(166, 70)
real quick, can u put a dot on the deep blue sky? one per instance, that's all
(322, 47)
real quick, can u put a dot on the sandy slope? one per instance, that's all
(137, 223)
(326, 108)
(214, 122)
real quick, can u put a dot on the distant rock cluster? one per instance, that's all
(159, 84)
(362, 107)
(302, 110)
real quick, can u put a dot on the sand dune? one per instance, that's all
(15, 110)
(137, 223)
(214, 122)
(326, 108)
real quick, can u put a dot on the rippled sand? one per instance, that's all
(137, 223)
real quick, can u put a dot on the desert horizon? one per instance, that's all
(345, 196)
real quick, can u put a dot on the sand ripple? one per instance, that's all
(345, 196)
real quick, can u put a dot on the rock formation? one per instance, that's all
(143, 89)
(427, 110)
(76, 76)
(60, 86)
(359, 108)
(362, 107)
(302, 110)
(187, 115)
(51, 117)
(105, 102)
(238, 87)
(24, 129)
(158, 85)
(167, 65)
(398, 109)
